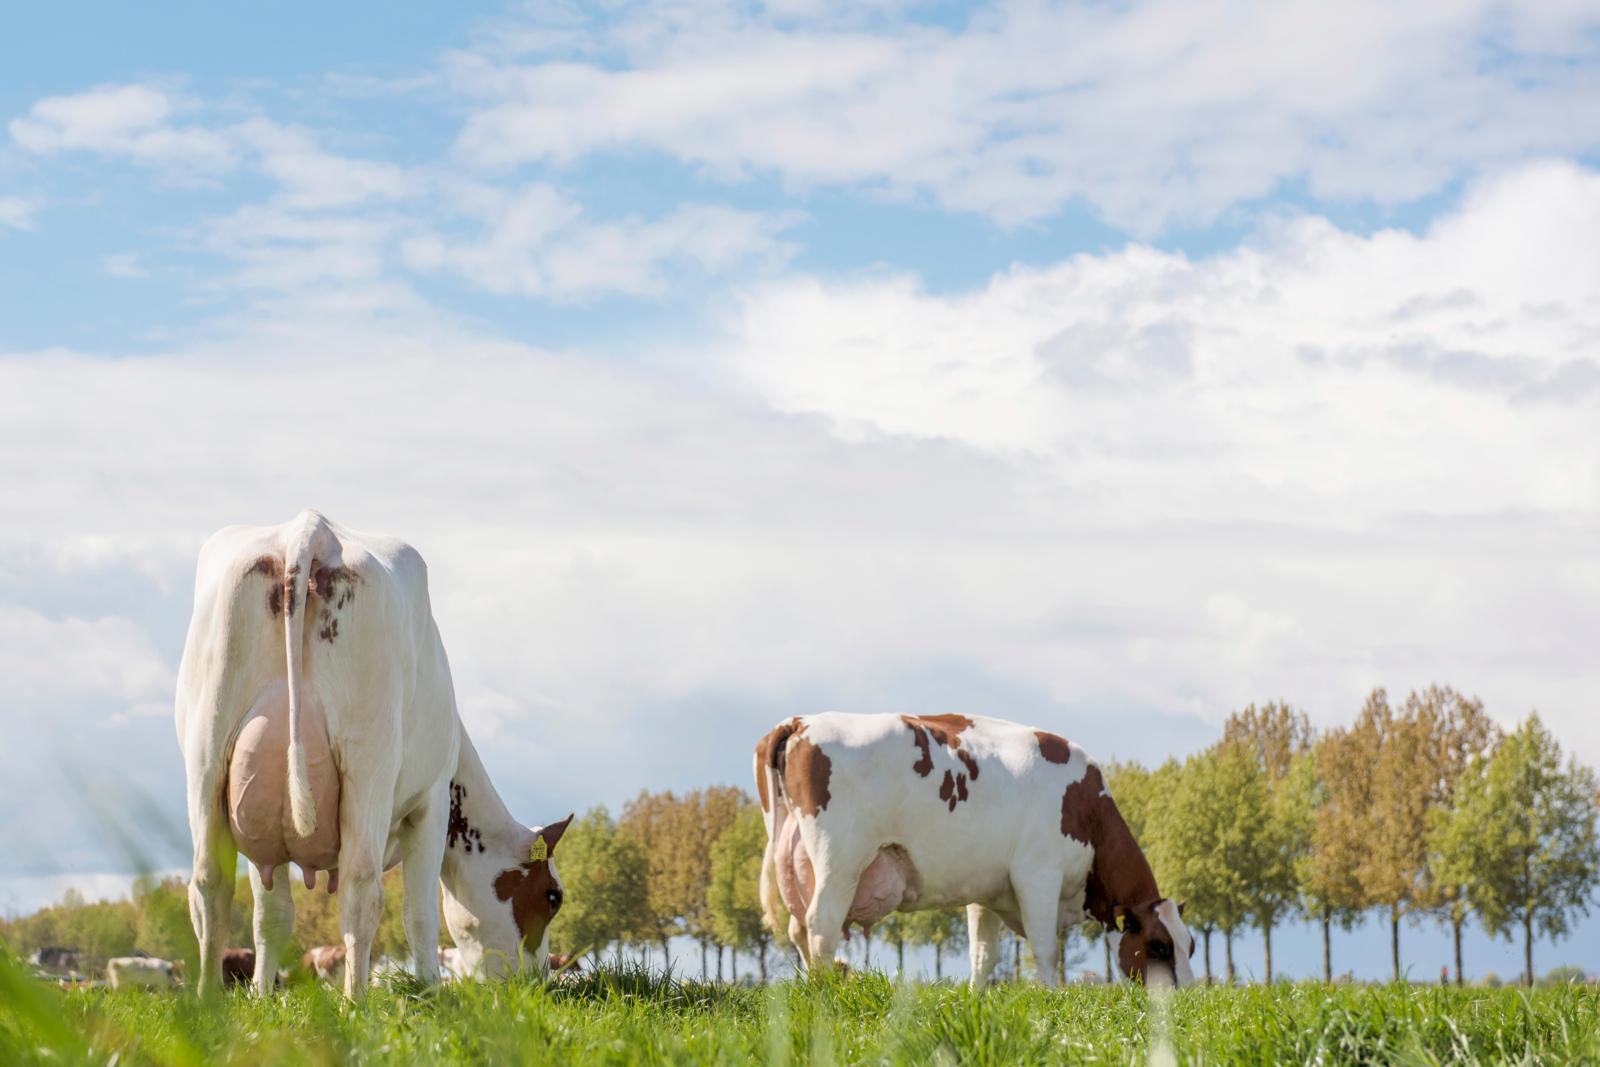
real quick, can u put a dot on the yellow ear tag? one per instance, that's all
(539, 852)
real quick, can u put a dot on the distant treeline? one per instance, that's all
(1425, 809)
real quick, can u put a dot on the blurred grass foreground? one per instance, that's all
(626, 1017)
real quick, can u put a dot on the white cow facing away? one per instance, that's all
(318, 724)
(869, 814)
(139, 972)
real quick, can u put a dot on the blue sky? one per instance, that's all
(1107, 367)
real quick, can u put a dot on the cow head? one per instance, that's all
(500, 915)
(1154, 946)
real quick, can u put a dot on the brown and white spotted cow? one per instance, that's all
(318, 724)
(326, 962)
(869, 814)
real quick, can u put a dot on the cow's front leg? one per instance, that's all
(422, 857)
(983, 940)
(211, 884)
(274, 925)
(1039, 899)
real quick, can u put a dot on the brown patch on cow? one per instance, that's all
(1080, 807)
(329, 630)
(272, 568)
(238, 966)
(768, 750)
(290, 578)
(919, 737)
(953, 790)
(336, 586)
(947, 731)
(527, 886)
(806, 770)
(1119, 874)
(1053, 747)
(458, 829)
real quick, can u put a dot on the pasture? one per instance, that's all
(626, 1018)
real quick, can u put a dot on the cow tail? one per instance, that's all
(309, 532)
(769, 769)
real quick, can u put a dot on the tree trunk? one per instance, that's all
(1266, 931)
(719, 963)
(1327, 948)
(666, 955)
(1016, 957)
(1455, 923)
(1106, 940)
(1394, 941)
(761, 956)
(900, 951)
(1227, 944)
(705, 958)
(1527, 946)
(1207, 932)
(938, 961)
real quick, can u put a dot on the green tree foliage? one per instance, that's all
(895, 930)
(942, 929)
(1212, 834)
(710, 812)
(1342, 788)
(161, 919)
(1279, 737)
(1457, 735)
(658, 823)
(1522, 838)
(605, 875)
(734, 895)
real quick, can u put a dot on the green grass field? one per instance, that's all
(626, 1019)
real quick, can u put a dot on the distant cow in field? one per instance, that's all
(238, 966)
(318, 724)
(325, 961)
(869, 814)
(55, 959)
(138, 972)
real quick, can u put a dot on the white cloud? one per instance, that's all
(17, 212)
(1120, 496)
(123, 120)
(538, 242)
(51, 662)
(1157, 113)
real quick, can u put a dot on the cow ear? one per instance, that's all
(1127, 920)
(552, 833)
(1180, 909)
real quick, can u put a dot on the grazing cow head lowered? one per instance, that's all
(1154, 946)
(501, 893)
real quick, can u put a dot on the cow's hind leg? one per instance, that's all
(797, 937)
(364, 817)
(274, 925)
(1038, 894)
(983, 940)
(837, 879)
(422, 844)
(211, 885)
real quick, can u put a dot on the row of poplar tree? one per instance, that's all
(1424, 808)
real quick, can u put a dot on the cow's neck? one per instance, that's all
(480, 823)
(1120, 873)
